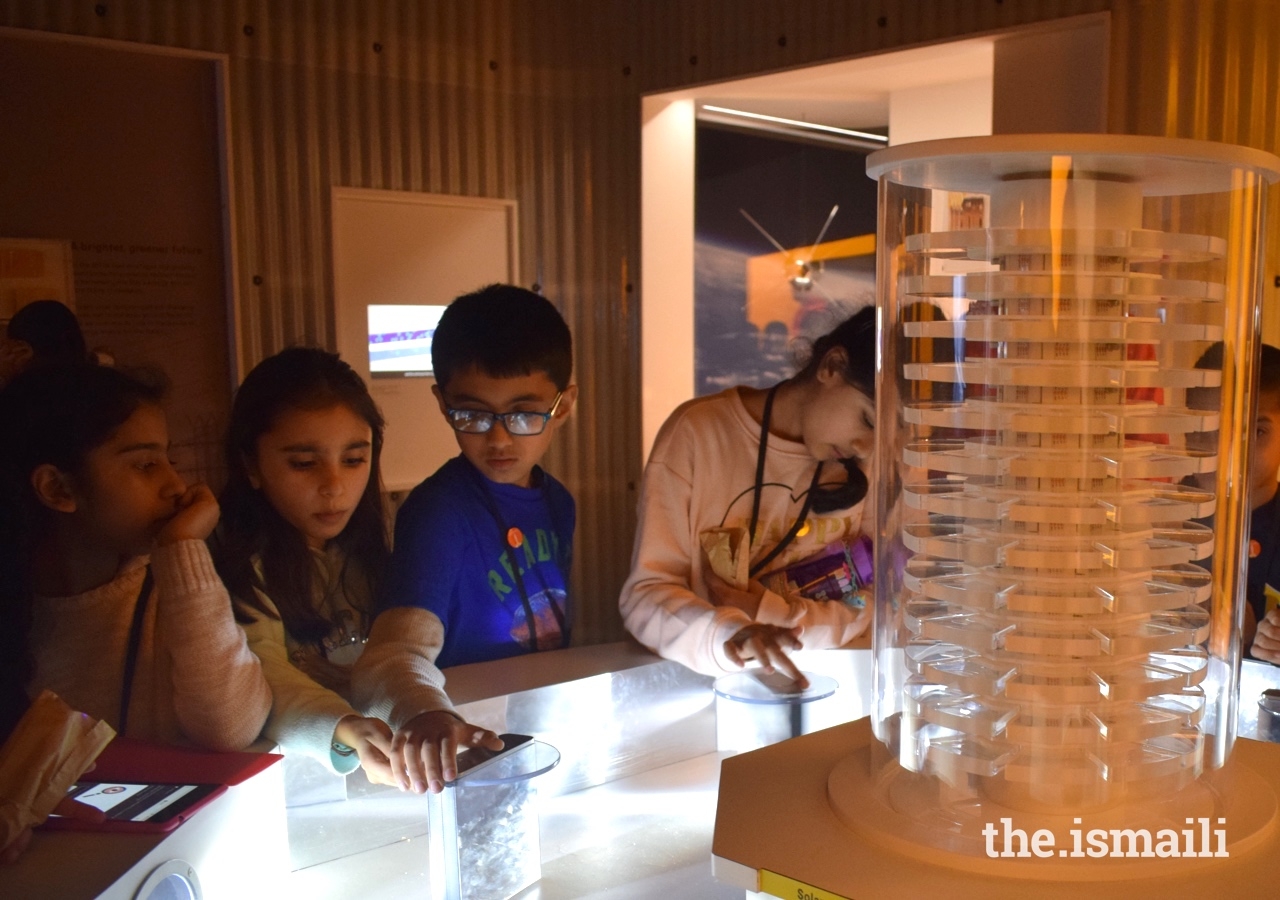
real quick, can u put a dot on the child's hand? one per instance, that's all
(767, 644)
(1266, 644)
(371, 739)
(725, 594)
(197, 514)
(424, 752)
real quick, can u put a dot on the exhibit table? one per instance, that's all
(629, 812)
(647, 834)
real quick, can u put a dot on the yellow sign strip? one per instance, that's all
(790, 889)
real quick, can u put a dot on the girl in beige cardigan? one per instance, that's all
(111, 598)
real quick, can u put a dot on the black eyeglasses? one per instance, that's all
(475, 421)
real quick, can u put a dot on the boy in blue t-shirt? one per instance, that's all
(480, 565)
(1263, 583)
(1261, 636)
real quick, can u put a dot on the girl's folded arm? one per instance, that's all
(220, 694)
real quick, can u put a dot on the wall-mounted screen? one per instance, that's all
(400, 339)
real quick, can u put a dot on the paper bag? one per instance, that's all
(728, 553)
(50, 748)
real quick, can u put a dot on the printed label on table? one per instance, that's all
(790, 889)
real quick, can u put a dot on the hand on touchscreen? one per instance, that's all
(777, 682)
(424, 752)
(767, 644)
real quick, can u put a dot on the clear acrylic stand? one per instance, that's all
(483, 828)
(750, 714)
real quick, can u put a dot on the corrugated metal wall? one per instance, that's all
(493, 98)
(532, 101)
(693, 41)
(1206, 69)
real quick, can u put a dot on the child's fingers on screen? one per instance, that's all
(397, 759)
(416, 766)
(482, 737)
(449, 755)
(431, 771)
(784, 664)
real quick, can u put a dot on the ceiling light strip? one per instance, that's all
(796, 123)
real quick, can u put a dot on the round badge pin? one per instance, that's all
(1255, 549)
(515, 538)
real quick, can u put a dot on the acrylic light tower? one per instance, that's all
(1063, 496)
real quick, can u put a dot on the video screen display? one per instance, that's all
(400, 339)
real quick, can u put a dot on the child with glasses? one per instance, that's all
(482, 549)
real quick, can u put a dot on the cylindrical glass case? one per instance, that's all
(1069, 327)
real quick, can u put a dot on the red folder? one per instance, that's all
(125, 759)
(140, 762)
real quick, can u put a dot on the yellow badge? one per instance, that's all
(1272, 599)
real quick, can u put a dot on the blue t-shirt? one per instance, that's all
(450, 558)
(1264, 564)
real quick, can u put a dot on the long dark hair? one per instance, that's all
(52, 331)
(251, 529)
(856, 335)
(50, 415)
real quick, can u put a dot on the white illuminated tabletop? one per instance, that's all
(645, 836)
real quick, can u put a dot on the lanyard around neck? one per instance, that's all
(131, 654)
(759, 490)
(516, 574)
